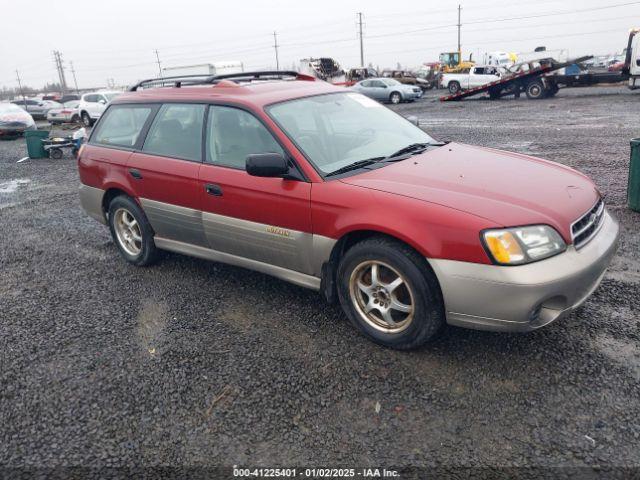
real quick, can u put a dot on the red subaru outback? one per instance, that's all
(328, 189)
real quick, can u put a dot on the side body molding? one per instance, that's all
(288, 254)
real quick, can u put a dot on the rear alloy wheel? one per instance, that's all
(131, 231)
(86, 119)
(454, 87)
(389, 293)
(535, 90)
(395, 98)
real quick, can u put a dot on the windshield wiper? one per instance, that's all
(355, 166)
(412, 148)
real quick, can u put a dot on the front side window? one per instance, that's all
(335, 130)
(177, 132)
(232, 134)
(121, 125)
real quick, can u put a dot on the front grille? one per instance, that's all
(583, 229)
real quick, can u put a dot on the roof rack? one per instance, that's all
(203, 79)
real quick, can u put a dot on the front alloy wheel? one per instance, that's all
(390, 293)
(381, 296)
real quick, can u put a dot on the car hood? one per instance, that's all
(508, 189)
(16, 117)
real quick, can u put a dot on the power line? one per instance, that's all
(59, 66)
(275, 46)
(20, 87)
(360, 34)
(459, 26)
(75, 81)
(159, 65)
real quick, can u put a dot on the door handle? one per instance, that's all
(135, 174)
(213, 189)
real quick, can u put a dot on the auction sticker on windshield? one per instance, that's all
(364, 101)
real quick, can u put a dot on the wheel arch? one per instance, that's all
(345, 242)
(112, 192)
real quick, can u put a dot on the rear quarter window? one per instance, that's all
(121, 125)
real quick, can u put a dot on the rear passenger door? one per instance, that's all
(262, 219)
(165, 172)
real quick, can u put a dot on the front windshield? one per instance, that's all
(111, 96)
(336, 130)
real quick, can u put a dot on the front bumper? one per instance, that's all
(526, 297)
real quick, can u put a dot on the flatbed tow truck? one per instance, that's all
(536, 80)
(531, 77)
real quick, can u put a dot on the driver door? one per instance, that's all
(267, 220)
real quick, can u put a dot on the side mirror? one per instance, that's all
(102, 102)
(266, 165)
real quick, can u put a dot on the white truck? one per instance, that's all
(324, 68)
(497, 59)
(216, 68)
(632, 59)
(470, 78)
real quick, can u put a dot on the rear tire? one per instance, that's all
(400, 305)
(535, 90)
(454, 87)
(86, 119)
(395, 98)
(132, 232)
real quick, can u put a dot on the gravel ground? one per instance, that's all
(192, 363)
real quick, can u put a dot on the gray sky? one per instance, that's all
(116, 39)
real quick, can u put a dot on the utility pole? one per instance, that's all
(75, 82)
(57, 56)
(20, 86)
(275, 46)
(159, 65)
(360, 34)
(459, 44)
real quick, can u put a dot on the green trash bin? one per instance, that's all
(34, 138)
(633, 188)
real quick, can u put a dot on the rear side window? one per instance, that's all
(121, 125)
(177, 132)
(233, 134)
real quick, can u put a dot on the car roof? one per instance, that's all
(257, 93)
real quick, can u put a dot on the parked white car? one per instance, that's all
(475, 77)
(67, 113)
(93, 104)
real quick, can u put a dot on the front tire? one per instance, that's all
(454, 87)
(390, 294)
(132, 232)
(395, 98)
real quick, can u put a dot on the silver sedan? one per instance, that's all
(388, 90)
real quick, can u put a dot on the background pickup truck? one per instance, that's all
(473, 77)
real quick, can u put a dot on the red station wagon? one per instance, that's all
(326, 188)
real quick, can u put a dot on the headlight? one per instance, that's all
(515, 246)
